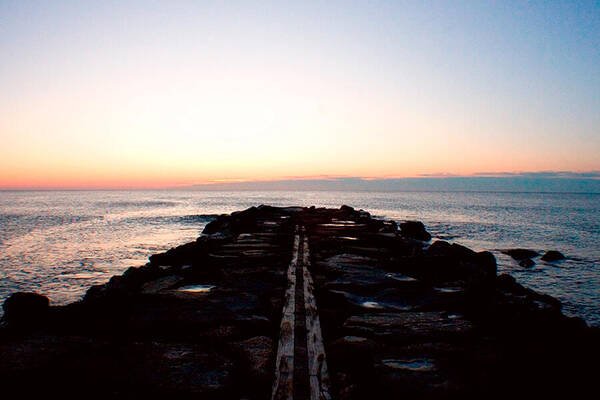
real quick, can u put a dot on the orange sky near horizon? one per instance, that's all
(138, 139)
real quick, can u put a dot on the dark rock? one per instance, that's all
(553, 255)
(409, 326)
(526, 263)
(442, 248)
(506, 281)
(520, 254)
(183, 371)
(522, 299)
(127, 284)
(486, 260)
(25, 308)
(444, 262)
(166, 282)
(347, 209)
(414, 230)
(483, 258)
(257, 356)
(188, 253)
(221, 224)
(353, 355)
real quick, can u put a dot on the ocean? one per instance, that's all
(59, 243)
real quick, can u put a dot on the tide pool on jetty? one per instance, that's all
(61, 243)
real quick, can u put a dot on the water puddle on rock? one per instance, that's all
(340, 224)
(196, 288)
(402, 307)
(371, 304)
(414, 365)
(449, 289)
(401, 278)
(348, 238)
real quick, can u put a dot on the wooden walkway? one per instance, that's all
(301, 366)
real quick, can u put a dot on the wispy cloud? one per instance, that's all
(543, 174)
(437, 175)
(544, 181)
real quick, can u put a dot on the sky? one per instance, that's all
(127, 94)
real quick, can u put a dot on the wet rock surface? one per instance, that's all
(399, 316)
(25, 309)
(553, 255)
(526, 263)
(521, 254)
(415, 230)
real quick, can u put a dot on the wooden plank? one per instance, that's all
(301, 377)
(317, 363)
(284, 363)
(318, 375)
(305, 250)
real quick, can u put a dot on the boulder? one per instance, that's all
(257, 363)
(411, 326)
(185, 254)
(520, 254)
(553, 255)
(414, 230)
(505, 281)
(516, 294)
(347, 209)
(443, 261)
(486, 260)
(25, 308)
(166, 282)
(526, 263)
(353, 355)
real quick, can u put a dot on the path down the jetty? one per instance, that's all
(301, 303)
(301, 366)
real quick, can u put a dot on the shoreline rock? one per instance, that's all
(520, 254)
(414, 230)
(553, 255)
(25, 309)
(526, 263)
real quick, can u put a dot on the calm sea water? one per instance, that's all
(61, 243)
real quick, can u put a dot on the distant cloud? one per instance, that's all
(545, 181)
(312, 177)
(543, 174)
(437, 175)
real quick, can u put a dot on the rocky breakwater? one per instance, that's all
(398, 315)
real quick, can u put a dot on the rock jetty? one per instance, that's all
(301, 303)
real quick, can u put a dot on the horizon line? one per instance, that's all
(592, 177)
(298, 190)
